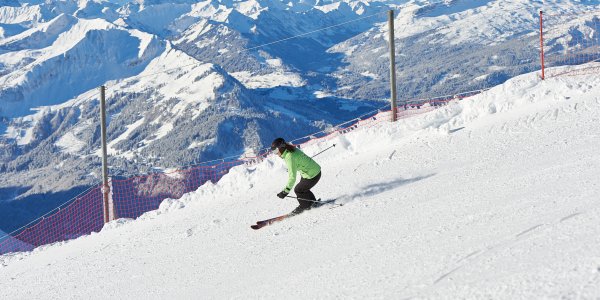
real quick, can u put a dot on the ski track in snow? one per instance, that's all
(491, 197)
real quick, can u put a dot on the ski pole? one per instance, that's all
(309, 200)
(323, 151)
(318, 201)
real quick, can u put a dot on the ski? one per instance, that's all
(263, 223)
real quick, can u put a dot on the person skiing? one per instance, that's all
(310, 173)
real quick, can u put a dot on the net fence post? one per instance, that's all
(392, 65)
(105, 184)
(542, 44)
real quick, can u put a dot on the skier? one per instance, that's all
(310, 173)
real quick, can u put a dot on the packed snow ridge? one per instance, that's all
(494, 196)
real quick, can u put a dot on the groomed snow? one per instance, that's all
(493, 197)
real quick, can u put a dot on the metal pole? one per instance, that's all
(105, 186)
(392, 65)
(542, 43)
(323, 151)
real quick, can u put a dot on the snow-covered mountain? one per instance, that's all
(80, 58)
(190, 81)
(491, 197)
(453, 46)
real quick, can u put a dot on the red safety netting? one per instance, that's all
(405, 110)
(134, 196)
(82, 215)
(571, 39)
(131, 197)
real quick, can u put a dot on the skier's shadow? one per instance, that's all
(378, 188)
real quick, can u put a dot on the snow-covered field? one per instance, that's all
(493, 197)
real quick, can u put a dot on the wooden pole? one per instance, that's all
(105, 186)
(392, 65)
(542, 44)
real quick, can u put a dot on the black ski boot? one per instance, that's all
(298, 210)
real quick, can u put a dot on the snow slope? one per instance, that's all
(491, 197)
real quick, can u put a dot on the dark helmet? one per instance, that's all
(278, 143)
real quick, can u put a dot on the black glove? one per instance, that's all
(282, 194)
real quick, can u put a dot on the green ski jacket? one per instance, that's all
(298, 161)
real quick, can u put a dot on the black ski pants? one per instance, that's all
(302, 190)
